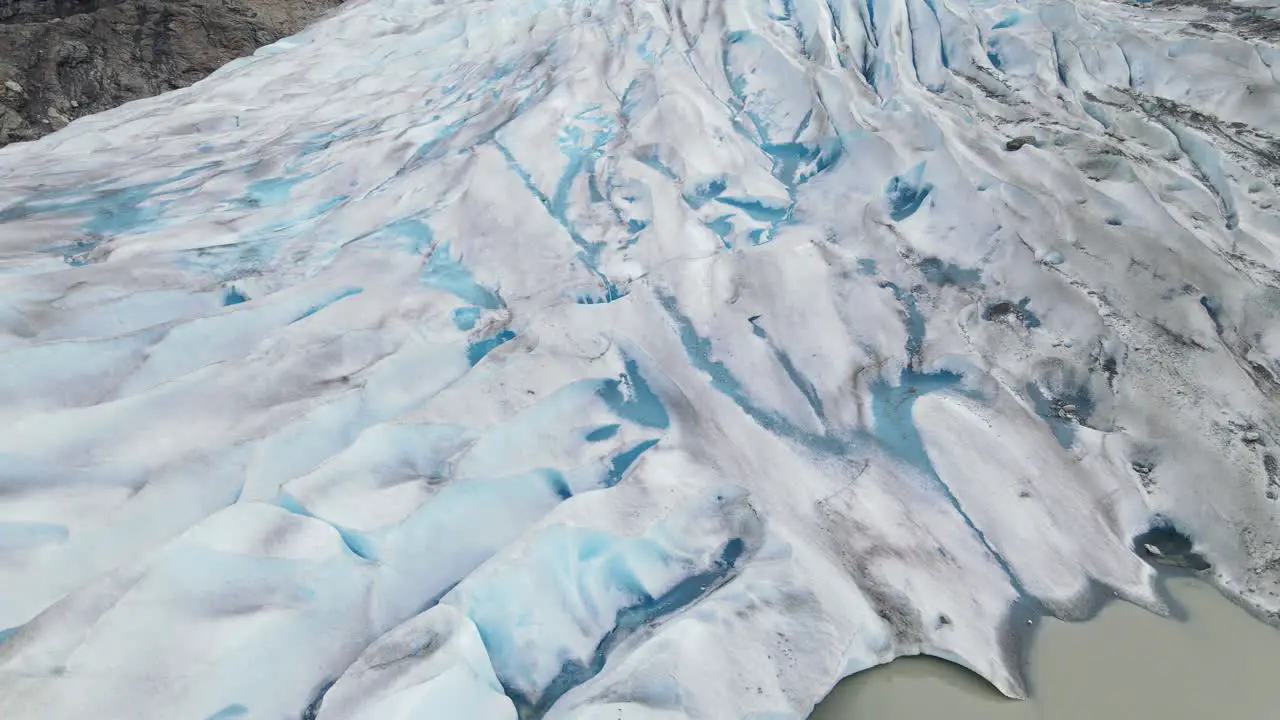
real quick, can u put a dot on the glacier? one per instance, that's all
(636, 358)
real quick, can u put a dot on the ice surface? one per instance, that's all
(598, 359)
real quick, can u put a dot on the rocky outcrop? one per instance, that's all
(60, 59)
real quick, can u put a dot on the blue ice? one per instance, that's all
(479, 348)
(442, 270)
(602, 433)
(593, 590)
(907, 192)
(631, 398)
(465, 318)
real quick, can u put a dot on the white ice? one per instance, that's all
(596, 359)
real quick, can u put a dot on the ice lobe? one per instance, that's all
(431, 666)
(249, 585)
(584, 359)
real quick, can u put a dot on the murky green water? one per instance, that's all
(1126, 664)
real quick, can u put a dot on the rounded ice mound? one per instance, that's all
(568, 359)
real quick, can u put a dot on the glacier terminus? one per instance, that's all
(644, 359)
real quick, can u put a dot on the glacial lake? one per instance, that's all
(1125, 664)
